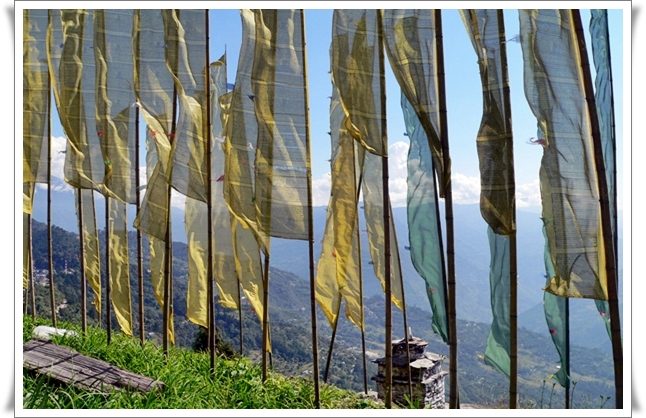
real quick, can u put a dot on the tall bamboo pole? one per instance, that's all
(168, 246)
(567, 352)
(50, 259)
(608, 239)
(406, 333)
(454, 402)
(310, 215)
(363, 332)
(386, 218)
(209, 203)
(329, 353)
(513, 270)
(30, 294)
(108, 285)
(140, 263)
(265, 315)
(79, 203)
(513, 324)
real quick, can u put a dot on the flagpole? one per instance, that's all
(454, 402)
(329, 353)
(406, 333)
(79, 203)
(50, 259)
(608, 239)
(108, 287)
(234, 226)
(386, 218)
(140, 266)
(265, 315)
(310, 215)
(209, 204)
(567, 353)
(30, 295)
(358, 235)
(513, 257)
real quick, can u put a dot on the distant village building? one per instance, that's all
(427, 377)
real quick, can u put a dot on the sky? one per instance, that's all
(464, 105)
(463, 88)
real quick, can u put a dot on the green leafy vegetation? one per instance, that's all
(235, 382)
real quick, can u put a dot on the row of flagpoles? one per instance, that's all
(241, 156)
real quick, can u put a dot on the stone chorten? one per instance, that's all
(427, 376)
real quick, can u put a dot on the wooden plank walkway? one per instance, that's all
(69, 366)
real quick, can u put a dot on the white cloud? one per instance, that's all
(58, 164)
(465, 189)
(321, 190)
(398, 173)
(528, 195)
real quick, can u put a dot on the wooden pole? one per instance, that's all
(108, 286)
(168, 247)
(310, 215)
(329, 353)
(140, 258)
(567, 352)
(513, 324)
(608, 239)
(450, 245)
(30, 294)
(50, 259)
(386, 218)
(406, 333)
(209, 201)
(265, 316)
(513, 260)
(79, 203)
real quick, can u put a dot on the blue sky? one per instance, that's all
(464, 101)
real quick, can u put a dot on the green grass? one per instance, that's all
(236, 383)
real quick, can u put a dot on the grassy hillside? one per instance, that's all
(236, 382)
(292, 345)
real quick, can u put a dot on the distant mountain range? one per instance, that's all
(472, 258)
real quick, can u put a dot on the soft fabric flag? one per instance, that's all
(498, 347)
(197, 218)
(356, 42)
(569, 190)
(154, 92)
(116, 130)
(557, 320)
(355, 68)
(157, 246)
(72, 63)
(185, 46)
(604, 100)
(327, 286)
(28, 192)
(494, 142)
(485, 28)
(90, 237)
(409, 35)
(153, 84)
(35, 91)
(248, 265)
(339, 266)
(242, 134)
(35, 117)
(119, 266)
(422, 209)
(282, 165)
(115, 97)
